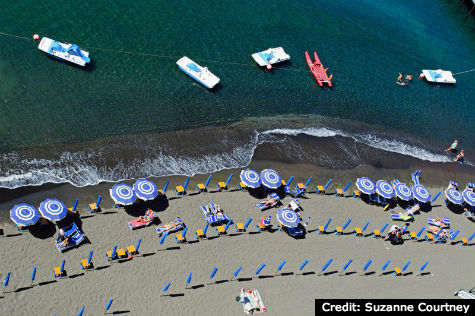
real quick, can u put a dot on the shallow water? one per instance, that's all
(61, 123)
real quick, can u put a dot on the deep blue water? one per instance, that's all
(54, 114)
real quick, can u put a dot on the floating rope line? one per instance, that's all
(463, 72)
(162, 56)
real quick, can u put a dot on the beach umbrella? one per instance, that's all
(384, 189)
(251, 178)
(145, 189)
(123, 194)
(403, 192)
(24, 214)
(421, 193)
(365, 185)
(53, 210)
(270, 179)
(469, 197)
(288, 218)
(454, 196)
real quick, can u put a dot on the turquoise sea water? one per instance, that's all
(51, 111)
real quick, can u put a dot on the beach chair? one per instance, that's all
(224, 185)
(377, 233)
(320, 189)
(339, 230)
(59, 272)
(401, 217)
(220, 230)
(340, 192)
(181, 238)
(302, 188)
(287, 183)
(181, 189)
(414, 236)
(359, 231)
(273, 196)
(240, 227)
(242, 186)
(201, 233)
(94, 207)
(323, 229)
(415, 177)
(443, 239)
(147, 219)
(454, 234)
(87, 264)
(295, 205)
(121, 253)
(112, 254)
(164, 190)
(73, 210)
(134, 250)
(356, 194)
(76, 236)
(203, 187)
(465, 241)
(447, 222)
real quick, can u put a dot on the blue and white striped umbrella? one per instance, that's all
(454, 196)
(421, 193)
(251, 178)
(270, 179)
(288, 218)
(53, 209)
(123, 194)
(24, 214)
(469, 197)
(385, 189)
(145, 189)
(403, 192)
(365, 185)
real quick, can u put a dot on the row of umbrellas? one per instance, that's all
(124, 194)
(418, 191)
(268, 178)
(26, 215)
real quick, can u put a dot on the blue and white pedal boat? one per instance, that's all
(195, 71)
(64, 51)
(270, 56)
(438, 76)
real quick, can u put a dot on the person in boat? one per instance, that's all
(460, 157)
(453, 146)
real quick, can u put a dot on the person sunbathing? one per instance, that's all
(439, 222)
(435, 230)
(66, 242)
(268, 202)
(411, 211)
(146, 218)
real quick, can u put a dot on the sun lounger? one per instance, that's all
(210, 216)
(60, 271)
(323, 229)
(203, 187)
(276, 201)
(73, 210)
(339, 230)
(340, 192)
(414, 236)
(377, 233)
(111, 254)
(86, 264)
(77, 237)
(181, 238)
(359, 231)
(356, 194)
(224, 185)
(303, 187)
(465, 295)
(148, 219)
(415, 177)
(465, 241)
(321, 189)
(170, 227)
(181, 189)
(134, 250)
(94, 207)
(401, 217)
(240, 227)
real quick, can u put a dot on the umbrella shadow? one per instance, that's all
(120, 312)
(258, 193)
(456, 209)
(43, 231)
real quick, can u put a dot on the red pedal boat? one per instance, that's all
(318, 71)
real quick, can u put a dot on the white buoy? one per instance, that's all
(269, 67)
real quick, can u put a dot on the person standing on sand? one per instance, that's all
(453, 146)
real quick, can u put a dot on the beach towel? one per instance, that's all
(148, 219)
(171, 226)
(253, 298)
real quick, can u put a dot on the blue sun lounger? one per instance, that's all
(76, 238)
(211, 217)
(401, 217)
(274, 196)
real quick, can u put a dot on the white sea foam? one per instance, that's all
(88, 167)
